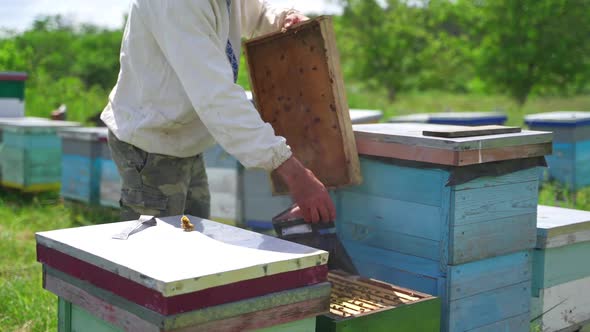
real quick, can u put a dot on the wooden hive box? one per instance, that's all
(81, 150)
(110, 180)
(454, 118)
(360, 304)
(561, 275)
(452, 217)
(12, 94)
(30, 157)
(260, 205)
(215, 278)
(570, 162)
(298, 89)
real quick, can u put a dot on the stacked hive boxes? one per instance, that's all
(12, 94)
(110, 180)
(161, 278)
(454, 118)
(570, 161)
(260, 206)
(450, 217)
(30, 157)
(561, 273)
(81, 148)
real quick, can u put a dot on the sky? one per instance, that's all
(19, 14)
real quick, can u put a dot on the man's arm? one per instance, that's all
(186, 34)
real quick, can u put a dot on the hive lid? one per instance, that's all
(170, 261)
(84, 133)
(35, 122)
(13, 76)
(451, 117)
(559, 226)
(408, 142)
(558, 119)
(365, 116)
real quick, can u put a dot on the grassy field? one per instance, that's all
(25, 306)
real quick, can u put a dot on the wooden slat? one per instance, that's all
(471, 131)
(132, 323)
(309, 109)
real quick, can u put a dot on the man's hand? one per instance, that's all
(307, 191)
(293, 19)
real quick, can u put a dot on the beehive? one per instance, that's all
(12, 94)
(452, 217)
(110, 180)
(570, 162)
(81, 167)
(454, 118)
(30, 157)
(561, 275)
(215, 278)
(360, 304)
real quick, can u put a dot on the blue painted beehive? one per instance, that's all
(260, 206)
(454, 118)
(30, 157)
(570, 161)
(110, 180)
(454, 217)
(12, 94)
(561, 273)
(81, 148)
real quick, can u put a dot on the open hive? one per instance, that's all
(361, 304)
(354, 295)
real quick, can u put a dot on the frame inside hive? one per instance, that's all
(354, 296)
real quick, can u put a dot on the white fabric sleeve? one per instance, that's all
(185, 31)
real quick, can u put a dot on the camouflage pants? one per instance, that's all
(159, 185)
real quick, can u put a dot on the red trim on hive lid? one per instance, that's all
(13, 76)
(154, 300)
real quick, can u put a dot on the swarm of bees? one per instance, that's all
(185, 224)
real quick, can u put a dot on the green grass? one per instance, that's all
(24, 305)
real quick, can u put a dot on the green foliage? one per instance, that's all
(534, 44)
(513, 47)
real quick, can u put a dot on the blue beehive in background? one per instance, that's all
(81, 149)
(110, 180)
(454, 118)
(30, 157)
(570, 161)
(453, 217)
(561, 272)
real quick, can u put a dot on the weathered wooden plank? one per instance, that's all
(525, 175)
(490, 238)
(393, 182)
(564, 306)
(554, 266)
(160, 268)
(558, 227)
(489, 307)
(455, 132)
(520, 323)
(469, 279)
(446, 157)
(62, 284)
(322, 139)
(484, 204)
(381, 214)
(90, 313)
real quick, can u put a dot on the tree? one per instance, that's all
(530, 44)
